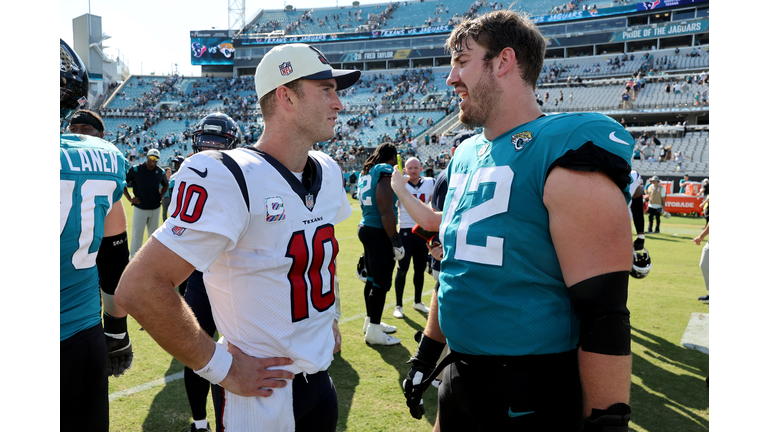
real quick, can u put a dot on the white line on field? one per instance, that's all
(177, 376)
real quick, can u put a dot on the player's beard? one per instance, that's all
(481, 100)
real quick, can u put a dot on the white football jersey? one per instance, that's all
(423, 191)
(269, 272)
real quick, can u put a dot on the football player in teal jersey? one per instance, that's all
(93, 253)
(381, 241)
(537, 251)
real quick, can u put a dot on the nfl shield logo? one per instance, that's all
(286, 68)
(309, 200)
(178, 230)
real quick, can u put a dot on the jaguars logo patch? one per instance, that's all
(521, 139)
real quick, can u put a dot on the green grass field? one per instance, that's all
(668, 388)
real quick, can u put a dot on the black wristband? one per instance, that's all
(614, 419)
(428, 351)
(395, 239)
(114, 325)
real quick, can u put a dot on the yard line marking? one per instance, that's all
(146, 386)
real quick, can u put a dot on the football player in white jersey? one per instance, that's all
(415, 246)
(259, 223)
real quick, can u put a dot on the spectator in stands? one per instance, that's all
(683, 183)
(149, 186)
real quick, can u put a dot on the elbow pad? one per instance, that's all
(111, 261)
(601, 303)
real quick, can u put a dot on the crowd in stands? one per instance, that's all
(571, 6)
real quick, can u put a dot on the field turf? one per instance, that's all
(668, 393)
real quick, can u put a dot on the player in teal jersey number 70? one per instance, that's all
(93, 253)
(537, 251)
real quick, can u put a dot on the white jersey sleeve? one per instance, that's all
(207, 215)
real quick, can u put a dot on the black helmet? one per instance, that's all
(216, 131)
(74, 82)
(362, 273)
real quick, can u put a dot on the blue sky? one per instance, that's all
(152, 35)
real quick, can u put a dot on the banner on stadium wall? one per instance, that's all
(658, 4)
(662, 31)
(682, 203)
(575, 15)
(212, 51)
(385, 55)
(343, 36)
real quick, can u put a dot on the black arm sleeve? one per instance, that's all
(590, 157)
(111, 261)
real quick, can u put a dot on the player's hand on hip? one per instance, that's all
(249, 376)
(336, 337)
(398, 182)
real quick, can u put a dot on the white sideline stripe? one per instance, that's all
(146, 386)
(170, 378)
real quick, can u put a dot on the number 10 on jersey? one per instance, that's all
(311, 265)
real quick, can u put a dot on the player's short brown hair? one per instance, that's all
(267, 102)
(497, 30)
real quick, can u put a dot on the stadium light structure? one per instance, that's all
(235, 14)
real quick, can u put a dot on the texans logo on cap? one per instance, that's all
(320, 55)
(286, 68)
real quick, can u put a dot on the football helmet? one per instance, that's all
(362, 273)
(641, 264)
(73, 82)
(216, 131)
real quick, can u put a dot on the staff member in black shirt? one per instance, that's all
(149, 186)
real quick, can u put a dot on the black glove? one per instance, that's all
(614, 419)
(423, 363)
(638, 244)
(119, 350)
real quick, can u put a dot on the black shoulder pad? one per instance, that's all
(590, 157)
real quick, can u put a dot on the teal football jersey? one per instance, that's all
(501, 287)
(92, 177)
(366, 193)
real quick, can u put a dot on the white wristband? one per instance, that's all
(218, 367)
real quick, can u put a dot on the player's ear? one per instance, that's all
(285, 97)
(505, 62)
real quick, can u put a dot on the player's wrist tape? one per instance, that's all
(218, 367)
(114, 325)
(395, 239)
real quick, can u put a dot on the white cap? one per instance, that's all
(289, 62)
(153, 152)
